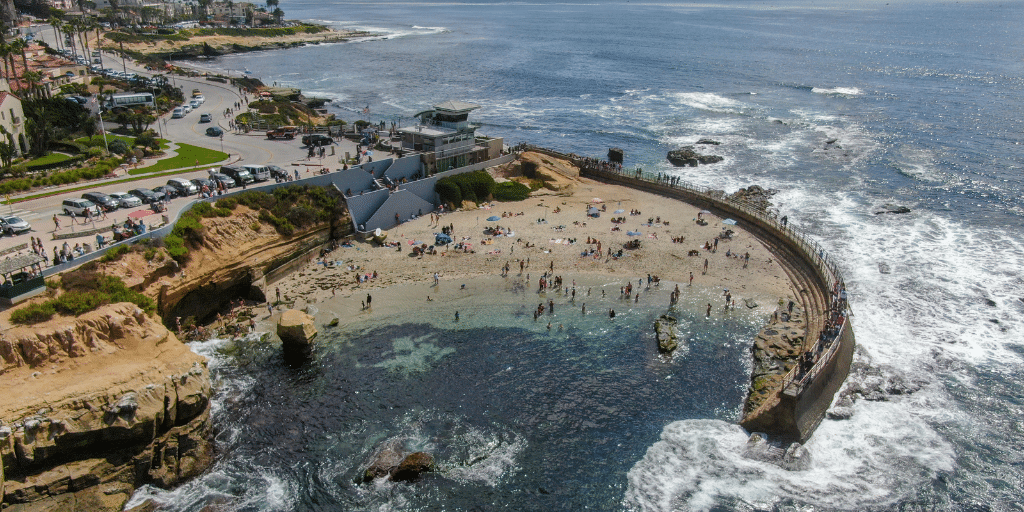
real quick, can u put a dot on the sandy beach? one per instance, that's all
(549, 231)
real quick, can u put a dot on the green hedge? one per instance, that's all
(474, 186)
(511, 191)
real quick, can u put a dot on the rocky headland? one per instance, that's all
(96, 406)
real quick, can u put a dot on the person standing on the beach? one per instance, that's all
(551, 307)
(369, 300)
(709, 310)
(691, 279)
(584, 311)
(456, 316)
(278, 289)
(705, 265)
(436, 278)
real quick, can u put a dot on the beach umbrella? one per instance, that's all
(138, 214)
(493, 218)
(729, 222)
(593, 210)
(634, 233)
(620, 210)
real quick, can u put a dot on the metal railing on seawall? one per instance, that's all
(831, 278)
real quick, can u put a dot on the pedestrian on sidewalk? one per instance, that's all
(56, 222)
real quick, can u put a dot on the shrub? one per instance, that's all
(77, 303)
(228, 202)
(449, 191)
(114, 253)
(118, 146)
(511, 191)
(33, 313)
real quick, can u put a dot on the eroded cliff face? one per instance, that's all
(232, 263)
(96, 406)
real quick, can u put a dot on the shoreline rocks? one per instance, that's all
(688, 157)
(668, 335)
(296, 330)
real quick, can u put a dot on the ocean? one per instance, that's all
(843, 107)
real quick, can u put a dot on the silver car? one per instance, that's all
(125, 199)
(14, 225)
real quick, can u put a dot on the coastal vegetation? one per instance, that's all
(478, 186)
(287, 209)
(82, 291)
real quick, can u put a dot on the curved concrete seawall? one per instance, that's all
(797, 403)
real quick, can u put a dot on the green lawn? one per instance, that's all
(187, 156)
(52, 158)
(98, 139)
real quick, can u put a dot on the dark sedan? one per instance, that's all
(144, 194)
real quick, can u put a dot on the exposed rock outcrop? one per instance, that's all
(668, 336)
(688, 157)
(391, 460)
(893, 209)
(776, 350)
(96, 406)
(296, 330)
(755, 196)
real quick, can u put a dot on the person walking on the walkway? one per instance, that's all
(56, 222)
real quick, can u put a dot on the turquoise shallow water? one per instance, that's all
(518, 417)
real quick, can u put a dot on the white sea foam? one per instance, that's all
(699, 465)
(842, 91)
(707, 101)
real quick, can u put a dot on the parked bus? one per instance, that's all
(130, 100)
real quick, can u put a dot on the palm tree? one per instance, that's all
(18, 46)
(278, 14)
(5, 51)
(57, 24)
(34, 79)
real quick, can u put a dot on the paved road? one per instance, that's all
(252, 148)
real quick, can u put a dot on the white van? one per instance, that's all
(258, 172)
(177, 113)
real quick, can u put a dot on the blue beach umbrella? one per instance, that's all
(493, 218)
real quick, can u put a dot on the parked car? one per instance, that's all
(205, 118)
(144, 194)
(214, 131)
(14, 225)
(210, 185)
(126, 200)
(182, 187)
(186, 108)
(239, 174)
(224, 179)
(282, 132)
(164, 193)
(316, 139)
(178, 113)
(102, 200)
(201, 99)
(258, 172)
(79, 206)
(277, 172)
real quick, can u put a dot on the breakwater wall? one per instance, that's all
(798, 404)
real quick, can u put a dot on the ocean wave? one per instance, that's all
(706, 101)
(840, 91)
(699, 465)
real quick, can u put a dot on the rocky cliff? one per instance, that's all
(96, 406)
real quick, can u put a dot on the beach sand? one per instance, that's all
(404, 281)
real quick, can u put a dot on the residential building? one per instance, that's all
(12, 117)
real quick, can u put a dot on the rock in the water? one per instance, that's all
(891, 208)
(751, 303)
(708, 141)
(665, 328)
(840, 413)
(296, 328)
(797, 458)
(884, 268)
(615, 155)
(334, 322)
(686, 156)
(412, 467)
(388, 458)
